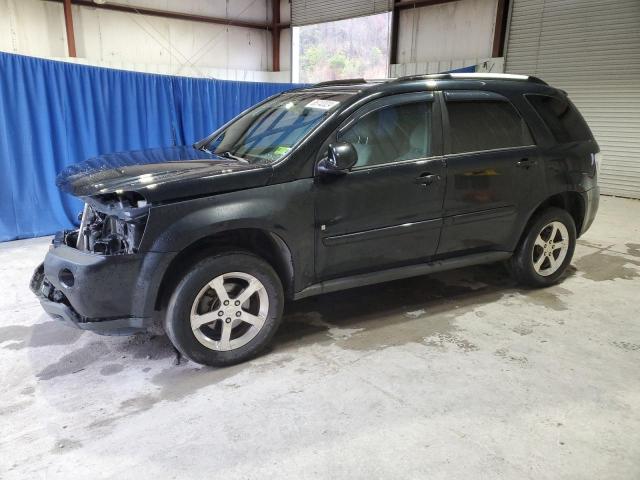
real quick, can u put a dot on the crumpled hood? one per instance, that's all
(161, 174)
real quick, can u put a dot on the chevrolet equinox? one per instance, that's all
(333, 186)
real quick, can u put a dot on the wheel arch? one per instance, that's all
(266, 244)
(571, 201)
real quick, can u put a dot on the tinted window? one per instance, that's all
(485, 125)
(562, 118)
(391, 134)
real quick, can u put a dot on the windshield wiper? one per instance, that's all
(232, 156)
(202, 148)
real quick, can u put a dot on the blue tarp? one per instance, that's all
(469, 69)
(54, 114)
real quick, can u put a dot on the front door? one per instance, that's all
(387, 211)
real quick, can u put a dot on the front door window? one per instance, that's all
(391, 134)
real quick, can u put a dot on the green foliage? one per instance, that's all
(338, 62)
(350, 48)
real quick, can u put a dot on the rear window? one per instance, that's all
(486, 125)
(562, 118)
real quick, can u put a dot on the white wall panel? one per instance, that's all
(107, 35)
(148, 43)
(285, 49)
(206, 72)
(462, 29)
(32, 27)
(490, 65)
(247, 10)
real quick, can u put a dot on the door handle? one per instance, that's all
(526, 163)
(426, 179)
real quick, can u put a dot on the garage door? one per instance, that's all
(307, 12)
(591, 49)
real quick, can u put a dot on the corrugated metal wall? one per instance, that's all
(307, 12)
(591, 49)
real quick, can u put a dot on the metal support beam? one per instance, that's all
(68, 22)
(275, 35)
(500, 28)
(393, 41)
(168, 14)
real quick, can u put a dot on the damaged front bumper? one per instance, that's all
(57, 306)
(109, 295)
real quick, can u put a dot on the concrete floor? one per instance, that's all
(457, 375)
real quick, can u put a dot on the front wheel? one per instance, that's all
(546, 249)
(225, 310)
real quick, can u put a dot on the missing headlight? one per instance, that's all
(111, 224)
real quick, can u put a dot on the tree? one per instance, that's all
(356, 47)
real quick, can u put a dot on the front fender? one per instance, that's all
(285, 209)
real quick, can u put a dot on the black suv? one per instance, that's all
(318, 189)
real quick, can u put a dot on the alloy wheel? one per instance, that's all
(550, 248)
(229, 311)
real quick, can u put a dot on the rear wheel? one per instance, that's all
(546, 249)
(225, 310)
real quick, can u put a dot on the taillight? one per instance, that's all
(596, 162)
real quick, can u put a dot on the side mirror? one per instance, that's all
(341, 157)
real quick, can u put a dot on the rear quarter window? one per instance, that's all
(562, 118)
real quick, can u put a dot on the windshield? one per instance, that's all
(268, 132)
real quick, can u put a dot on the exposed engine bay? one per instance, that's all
(110, 224)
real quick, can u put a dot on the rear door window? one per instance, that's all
(564, 121)
(484, 124)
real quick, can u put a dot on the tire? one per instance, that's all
(528, 265)
(209, 332)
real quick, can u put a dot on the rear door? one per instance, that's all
(387, 211)
(491, 167)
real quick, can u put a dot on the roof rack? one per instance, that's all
(472, 76)
(348, 81)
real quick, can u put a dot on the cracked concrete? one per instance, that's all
(455, 375)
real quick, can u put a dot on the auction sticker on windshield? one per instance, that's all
(281, 150)
(321, 104)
